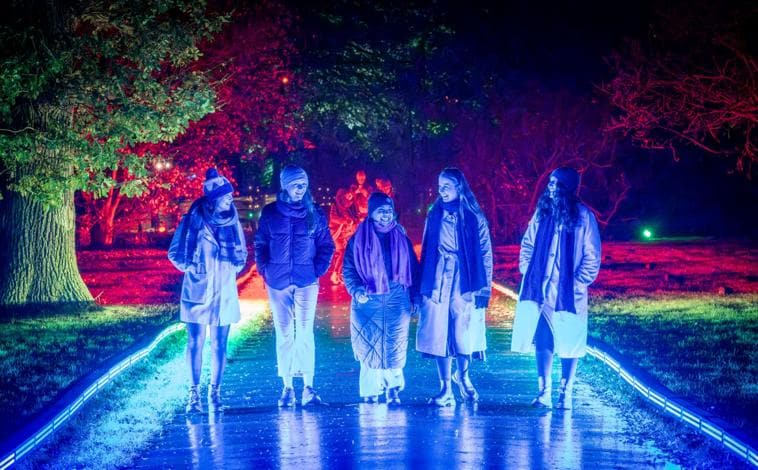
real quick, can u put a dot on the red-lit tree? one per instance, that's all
(256, 114)
(168, 185)
(692, 83)
(508, 149)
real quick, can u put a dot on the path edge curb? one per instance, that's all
(662, 398)
(54, 416)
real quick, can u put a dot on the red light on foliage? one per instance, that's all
(285, 79)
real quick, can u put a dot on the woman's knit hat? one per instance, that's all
(567, 177)
(291, 173)
(216, 185)
(378, 199)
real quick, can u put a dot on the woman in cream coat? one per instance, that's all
(456, 282)
(559, 258)
(209, 247)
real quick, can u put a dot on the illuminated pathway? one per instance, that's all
(502, 431)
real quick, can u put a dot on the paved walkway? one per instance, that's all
(501, 431)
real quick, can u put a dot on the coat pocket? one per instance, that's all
(195, 287)
(580, 296)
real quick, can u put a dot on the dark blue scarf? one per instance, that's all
(470, 256)
(298, 210)
(535, 273)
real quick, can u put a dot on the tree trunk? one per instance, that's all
(104, 230)
(102, 234)
(39, 265)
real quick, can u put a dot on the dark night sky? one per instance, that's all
(557, 41)
(563, 45)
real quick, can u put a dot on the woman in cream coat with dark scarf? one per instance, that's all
(456, 280)
(560, 257)
(209, 247)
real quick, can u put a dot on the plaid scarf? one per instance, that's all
(223, 227)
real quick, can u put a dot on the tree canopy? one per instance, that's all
(256, 114)
(85, 82)
(691, 84)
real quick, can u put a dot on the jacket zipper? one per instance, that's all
(292, 251)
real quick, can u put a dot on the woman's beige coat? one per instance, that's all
(569, 329)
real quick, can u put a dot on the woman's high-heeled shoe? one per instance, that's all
(468, 392)
(444, 398)
(193, 401)
(565, 395)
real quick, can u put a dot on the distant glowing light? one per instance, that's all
(285, 79)
(161, 229)
(647, 233)
(252, 309)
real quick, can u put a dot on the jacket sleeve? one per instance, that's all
(176, 253)
(527, 245)
(261, 243)
(353, 282)
(242, 248)
(324, 246)
(589, 267)
(485, 245)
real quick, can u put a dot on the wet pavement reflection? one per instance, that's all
(501, 431)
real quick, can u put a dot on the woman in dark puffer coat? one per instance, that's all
(381, 273)
(293, 248)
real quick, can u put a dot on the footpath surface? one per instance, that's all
(501, 431)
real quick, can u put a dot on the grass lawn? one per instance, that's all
(43, 352)
(703, 347)
(97, 437)
(136, 276)
(661, 305)
(689, 448)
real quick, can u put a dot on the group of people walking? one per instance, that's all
(449, 287)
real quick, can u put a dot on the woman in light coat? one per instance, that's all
(456, 280)
(559, 258)
(381, 275)
(209, 247)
